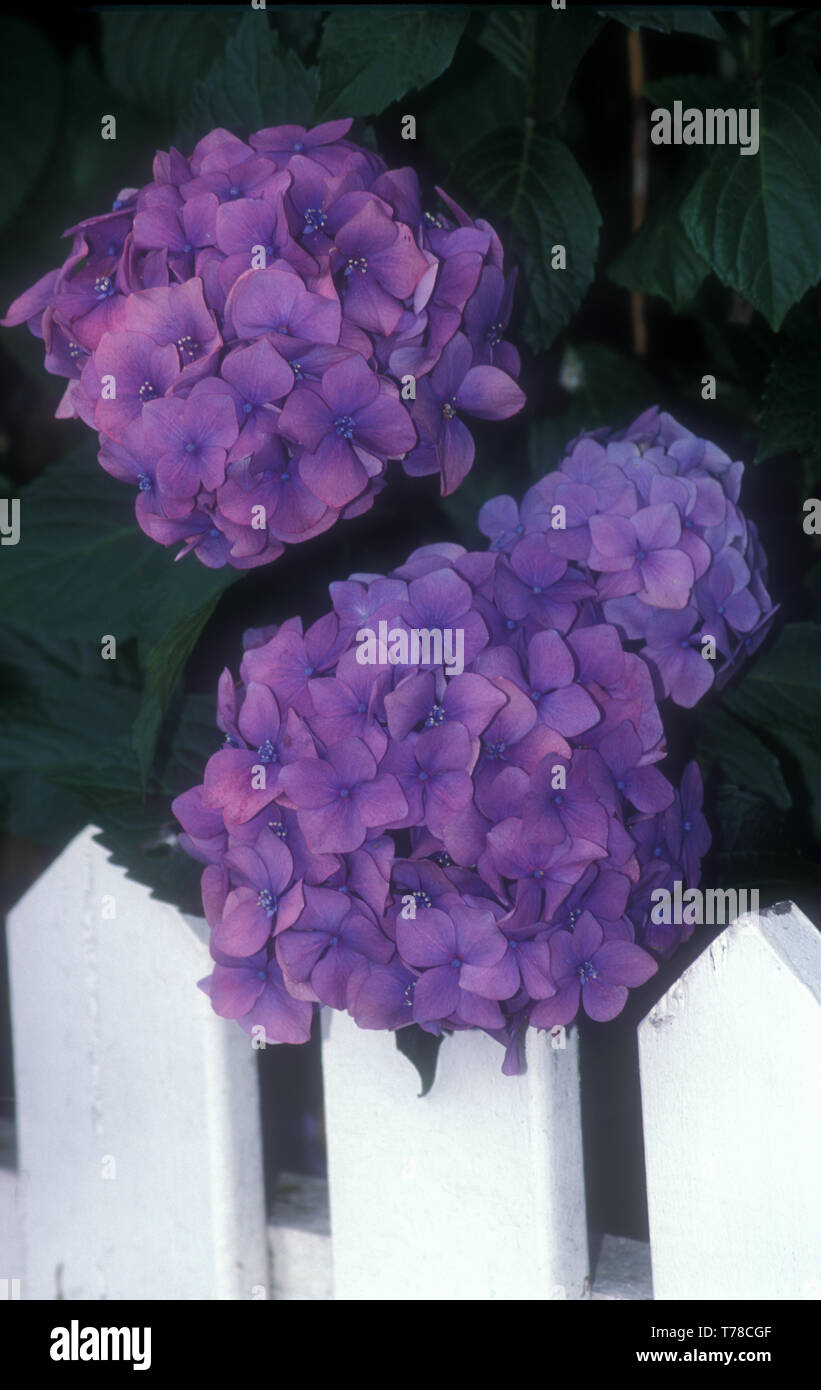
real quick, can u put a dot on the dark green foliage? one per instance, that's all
(525, 117)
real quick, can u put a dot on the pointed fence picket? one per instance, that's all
(730, 1064)
(139, 1157)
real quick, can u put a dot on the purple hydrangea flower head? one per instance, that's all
(467, 832)
(294, 316)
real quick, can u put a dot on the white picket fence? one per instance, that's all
(140, 1168)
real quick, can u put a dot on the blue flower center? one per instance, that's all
(103, 287)
(538, 873)
(233, 191)
(620, 785)
(494, 334)
(356, 263)
(111, 249)
(442, 858)
(688, 825)
(449, 408)
(423, 776)
(436, 716)
(586, 971)
(147, 392)
(558, 799)
(511, 625)
(720, 608)
(144, 483)
(247, 407)
(187, 247)
(296, 368)
(75, 351)
(433, 221)
(685, 643)
(279, 828)
(267, 901)
(657, 852)
(344, 426)
(190, 448)
(455, 963)
(315, 219)
(267, 752)
(495, 750)
(421, 898)
(262, 974)
(284, 477)
(640, 555)
(344, 791)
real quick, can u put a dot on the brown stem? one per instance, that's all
(635, 56)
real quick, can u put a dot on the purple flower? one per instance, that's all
(642, 553)
(588, 967)
(348, 428)
(447, 946)
(339, 800)
(454, 387)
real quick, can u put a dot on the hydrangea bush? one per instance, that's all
(259, 329)
(478, 849)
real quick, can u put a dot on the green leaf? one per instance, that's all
(543, 46)
(782, 690)
(669, 19)
(162, 674)
(534, 180)
(154, 58)
(659, 258)
(741, 758)
(422, 1049)
(459, 114)
(755, 217)
(84, 567)
(370, 56)
(29, 105)
(253, 84)
(792, 402)
(809, 760)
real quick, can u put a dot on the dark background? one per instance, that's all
(644, 321)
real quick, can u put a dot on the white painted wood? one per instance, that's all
(299, 1239)
(474, 1191)
(622, 1270)
(121, 1067)
(730, 1065)
(11, 1218)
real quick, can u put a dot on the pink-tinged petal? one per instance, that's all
(333, 473)
(667, 576)
(622, 962)
(309, 783)
(436, 995)
(489, 394)
(335, 829)
(235, 990)
(244, 928)
(657, 527)
(456, 452)
(350, 386)
(284, 1019)
(499, 981)
(382, 801)
(385, 428)
(560, 1009)
(614, 542)
(427, 939)
(603, 1002)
